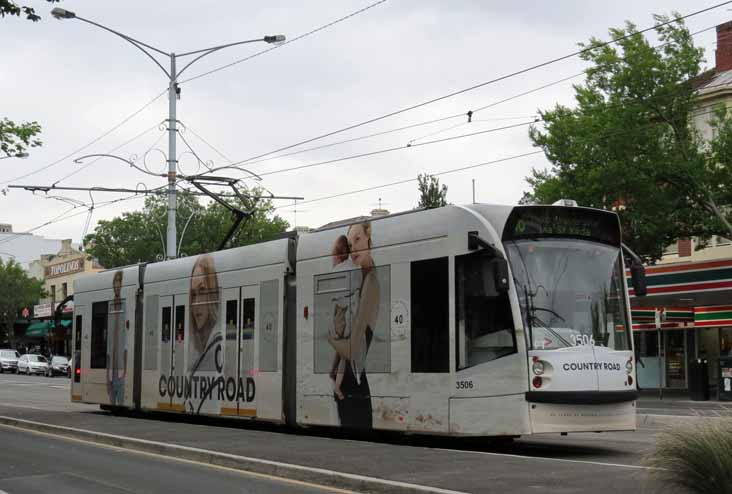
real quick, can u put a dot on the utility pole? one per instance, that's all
(173, 93)
(172, 161)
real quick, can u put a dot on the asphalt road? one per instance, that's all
(37, 463)
(600, 463)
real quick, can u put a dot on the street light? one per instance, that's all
(22, 156)
(173, 94)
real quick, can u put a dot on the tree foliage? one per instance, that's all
(630, 144)
(431, 195)
(17, 290)
(139, 236)
(16, 138)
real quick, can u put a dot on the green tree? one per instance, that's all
(630, 143)
(16, 138)
(17, 290)
(139, 236)
(431, 195)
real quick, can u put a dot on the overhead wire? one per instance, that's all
(395, 148)
(293, 40)
(463, 168)
(85, 146)
(488, 82)
(449, 117)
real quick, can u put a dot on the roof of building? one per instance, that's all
(709, 81)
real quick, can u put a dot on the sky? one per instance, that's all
(79, 82)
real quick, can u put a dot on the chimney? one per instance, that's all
(723, 54)
(684, 247)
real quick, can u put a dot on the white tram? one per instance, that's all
(475, 320)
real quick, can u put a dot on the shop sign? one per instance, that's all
(64, 268)
(46, 310)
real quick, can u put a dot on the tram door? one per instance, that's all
(231, 348)
(172, 348)
(248, 337)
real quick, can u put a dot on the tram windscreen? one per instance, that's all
(570, 292)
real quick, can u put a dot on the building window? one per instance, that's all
(53, 293)
(65, 290)
(430, 294)
(646, 343)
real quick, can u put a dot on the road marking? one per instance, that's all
(23, 406)
(350, 476)
(561, 460)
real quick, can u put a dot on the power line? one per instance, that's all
(489, 82)
(94, 141)
(59, 218)
(396, 148)
(408, 180)
(463, 168)
(419, 144)
(437, 120)
(325, 26)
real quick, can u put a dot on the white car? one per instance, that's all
(32, 364)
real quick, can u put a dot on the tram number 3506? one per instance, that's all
(583, 340)
(464, 385)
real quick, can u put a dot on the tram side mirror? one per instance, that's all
(500, 271)
(638, 276)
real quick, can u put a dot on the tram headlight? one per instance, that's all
(537, 367)
(629, 366)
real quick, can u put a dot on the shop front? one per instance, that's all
(686, 316)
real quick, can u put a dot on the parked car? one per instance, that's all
(8, 360)
(58, 366)
(32, 364)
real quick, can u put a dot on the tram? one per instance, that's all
(476, 320)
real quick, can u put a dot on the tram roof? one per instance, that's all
(102, 280)
(250, 256)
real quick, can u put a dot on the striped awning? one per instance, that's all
(687, 277)
(713, 316)
(644, 318)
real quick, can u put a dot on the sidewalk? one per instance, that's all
(677, 403)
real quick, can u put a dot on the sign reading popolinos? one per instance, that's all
(64, 268)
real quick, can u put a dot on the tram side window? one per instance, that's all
(99, 335)
(77, 334)
(430, 294)
(180, 322)
(484, 323)
(167, 319)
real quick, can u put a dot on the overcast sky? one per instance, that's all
(79, 81)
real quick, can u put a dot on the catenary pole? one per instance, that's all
(172, 233)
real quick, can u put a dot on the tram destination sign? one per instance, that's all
(526, 222)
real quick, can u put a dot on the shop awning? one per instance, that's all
(38, 329)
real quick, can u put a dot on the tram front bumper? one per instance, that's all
(590, 412)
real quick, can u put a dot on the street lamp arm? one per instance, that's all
(209, 51)
(136, 43)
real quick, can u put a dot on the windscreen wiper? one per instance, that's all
(557, 335)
